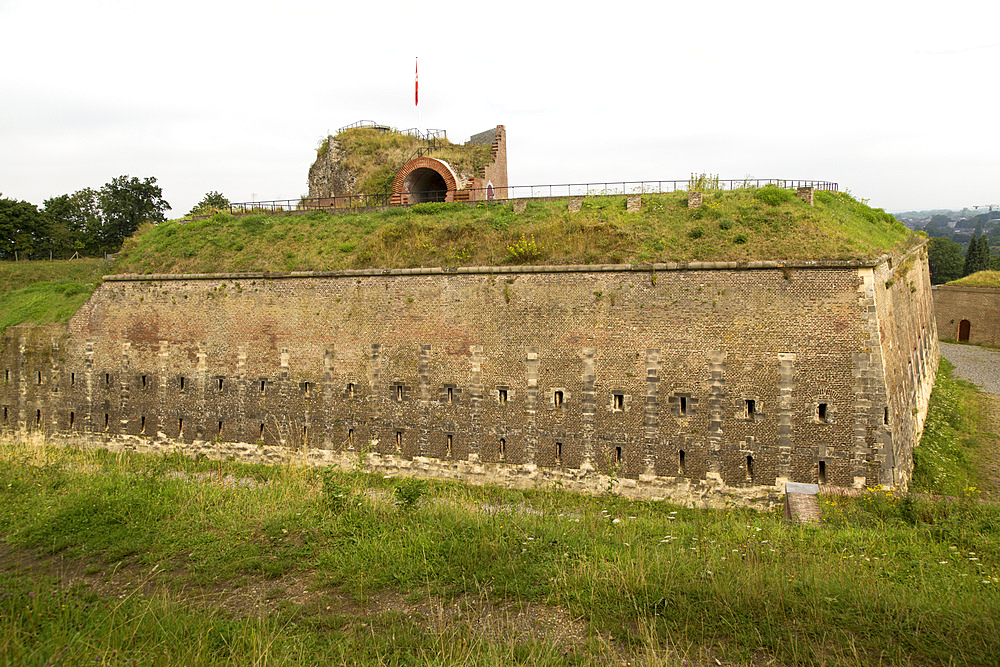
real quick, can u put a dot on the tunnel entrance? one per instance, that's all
(425, 185)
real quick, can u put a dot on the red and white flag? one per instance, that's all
(416, 84)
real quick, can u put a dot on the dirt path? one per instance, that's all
(259, 596)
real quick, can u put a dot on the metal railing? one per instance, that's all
(519, 192)
(365, 123)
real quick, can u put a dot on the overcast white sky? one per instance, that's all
(896, 101)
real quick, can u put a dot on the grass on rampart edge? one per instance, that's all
(43, 303)
(979, 279)
(43, 292)
(17, 275)
(732, 225)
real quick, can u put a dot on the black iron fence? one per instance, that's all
(521, 192)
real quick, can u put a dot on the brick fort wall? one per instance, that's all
(671, 379)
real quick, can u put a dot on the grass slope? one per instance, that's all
(349, 567)
(42, 292)
(768, 223)
(979, 279)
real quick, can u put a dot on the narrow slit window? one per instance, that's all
(885, 417)
(107, 379)
(143, 381)
(821, 412)
(399, 393)
(502, 396)
(220, 383)
(142, 424)
(307, 388)
(350, 390)
(350, 438)
(72, 379)
(182, 383)
(557, 399)
(305, 433)
(618, 454)
(38, 417)
(263, 387)
(681, 467)
(448, 443)
(751, 408)
(618, 402)
(451, 395)
(749, 466)
(683, 405)
(559, 454)
(180, 426)
(107, 421)
(5, 414)
(822, 472)
(72, 419)
(503, 449)
(6, 375)
(39, 377)
(220, 427)
(399, 441)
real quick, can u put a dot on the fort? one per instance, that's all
(708, 381)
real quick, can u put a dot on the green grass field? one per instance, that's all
(747, 224)
(137, 559)
(41, 292)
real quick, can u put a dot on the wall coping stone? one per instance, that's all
(565, 268)
(968, 288)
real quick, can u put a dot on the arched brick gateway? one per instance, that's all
(424, 179)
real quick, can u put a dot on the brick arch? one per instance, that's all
(412, 169)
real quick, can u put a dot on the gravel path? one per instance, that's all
(978, 365)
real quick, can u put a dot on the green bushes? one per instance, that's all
(772, 195)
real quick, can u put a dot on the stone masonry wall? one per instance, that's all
(673, 380)
(979, 306)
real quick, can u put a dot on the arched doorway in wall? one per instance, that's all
(963, 331)
(424, 179)
(425, 185)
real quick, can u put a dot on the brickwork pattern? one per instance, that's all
(978, 306)
(696, 376)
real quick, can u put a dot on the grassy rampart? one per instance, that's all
(979, 279)
(42, 292)
(733, 225)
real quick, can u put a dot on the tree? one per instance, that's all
(80, 213)
(977, 256)
(24, 229)
(944, 257)
(212, 202)
(126, 202)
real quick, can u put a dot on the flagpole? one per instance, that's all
(416, 88)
